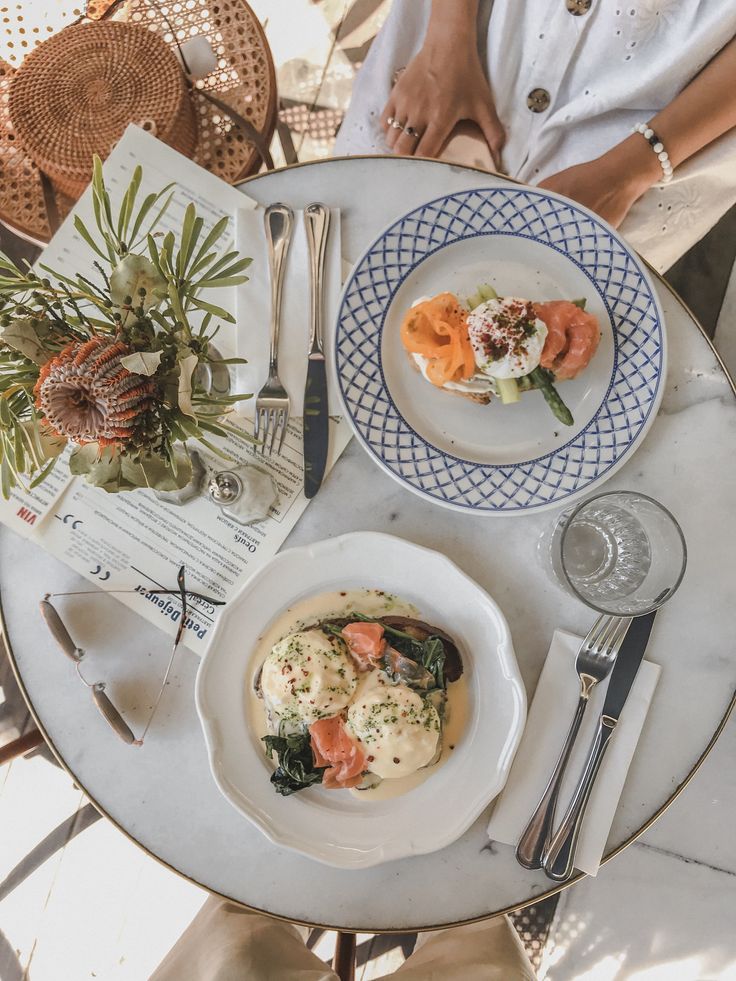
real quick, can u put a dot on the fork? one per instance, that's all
(272, 402)
(593, 664)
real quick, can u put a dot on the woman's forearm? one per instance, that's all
(454, 20)
(703, 111)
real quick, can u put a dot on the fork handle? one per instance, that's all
(559, 860)
(317, 224)
(279, 221)
(536, 837)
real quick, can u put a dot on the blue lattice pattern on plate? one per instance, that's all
(613, 271)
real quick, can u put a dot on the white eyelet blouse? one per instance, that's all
(569, 83)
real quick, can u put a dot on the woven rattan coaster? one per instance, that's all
(68, 94)
(74, 95)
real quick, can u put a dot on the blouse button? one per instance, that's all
(578, 7)
(538, 100)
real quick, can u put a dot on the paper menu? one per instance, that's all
(25, 510)
(69, 253)
(132, 540)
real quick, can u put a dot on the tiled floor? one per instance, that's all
(100, 908)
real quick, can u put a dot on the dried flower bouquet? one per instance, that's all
(113, 361)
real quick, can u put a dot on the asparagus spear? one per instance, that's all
(543, 380)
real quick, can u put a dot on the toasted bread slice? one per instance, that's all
(480, 398)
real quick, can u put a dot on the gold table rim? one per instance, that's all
(554, 890)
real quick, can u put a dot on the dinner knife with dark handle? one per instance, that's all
(559, 859)
(316, 415)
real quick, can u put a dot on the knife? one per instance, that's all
(559, 858)
(316, 418)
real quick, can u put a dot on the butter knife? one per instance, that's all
(316, 417)
(559, 859)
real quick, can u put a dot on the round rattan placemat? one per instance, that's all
(244, 79)
(75, 94)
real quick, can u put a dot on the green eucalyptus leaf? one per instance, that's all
(6, 416)
(24, 334)
(205, 284)
(152, 471)
(210, 238)
(190, 225)
(18, 450)
(142, 362)
(215, 311)
(126, 208)
(116, 472)
(43, 474)
(82, 229)
(7, 478)
(132, 273)
(164, 207)
(42, 443)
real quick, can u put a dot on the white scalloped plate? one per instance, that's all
(335, 827)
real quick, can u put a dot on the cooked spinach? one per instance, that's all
(296, 769)
(433, 659)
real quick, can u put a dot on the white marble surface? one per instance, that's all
(663, 910)
(163, 795)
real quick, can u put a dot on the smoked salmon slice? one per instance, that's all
(572, 337)
(437, 329)
(333, 747)
(365, 642)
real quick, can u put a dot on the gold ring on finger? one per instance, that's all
(396, 124)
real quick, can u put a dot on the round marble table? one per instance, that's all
(163, 796)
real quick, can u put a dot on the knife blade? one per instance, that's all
(627, 664)
(316, 421)
(558, 860)
(316, 412)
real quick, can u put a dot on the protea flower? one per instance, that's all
(87, 395)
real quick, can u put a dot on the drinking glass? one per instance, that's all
(621, 553)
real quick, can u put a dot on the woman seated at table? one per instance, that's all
(569, 81)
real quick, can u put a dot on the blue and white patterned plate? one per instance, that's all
(495, 459)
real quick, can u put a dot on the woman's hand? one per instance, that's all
(610, 184)
(443, 84)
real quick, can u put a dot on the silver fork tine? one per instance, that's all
(283, 419)
(620, 633)
(273, 419)
(594, 634)
(257, 427)
(607, 632)
(266, 424)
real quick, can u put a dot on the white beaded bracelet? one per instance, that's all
(658, 146)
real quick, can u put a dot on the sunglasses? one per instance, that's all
(75, 653)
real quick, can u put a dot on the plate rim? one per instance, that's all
(346, 857)
(574, 495)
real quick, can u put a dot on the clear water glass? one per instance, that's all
(621, 553)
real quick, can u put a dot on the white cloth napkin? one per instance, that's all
(549, 718)
(253, 306)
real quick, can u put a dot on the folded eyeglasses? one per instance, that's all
(75, 653)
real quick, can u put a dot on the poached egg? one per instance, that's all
(507, 337)
(398, 729)
(308, 676)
